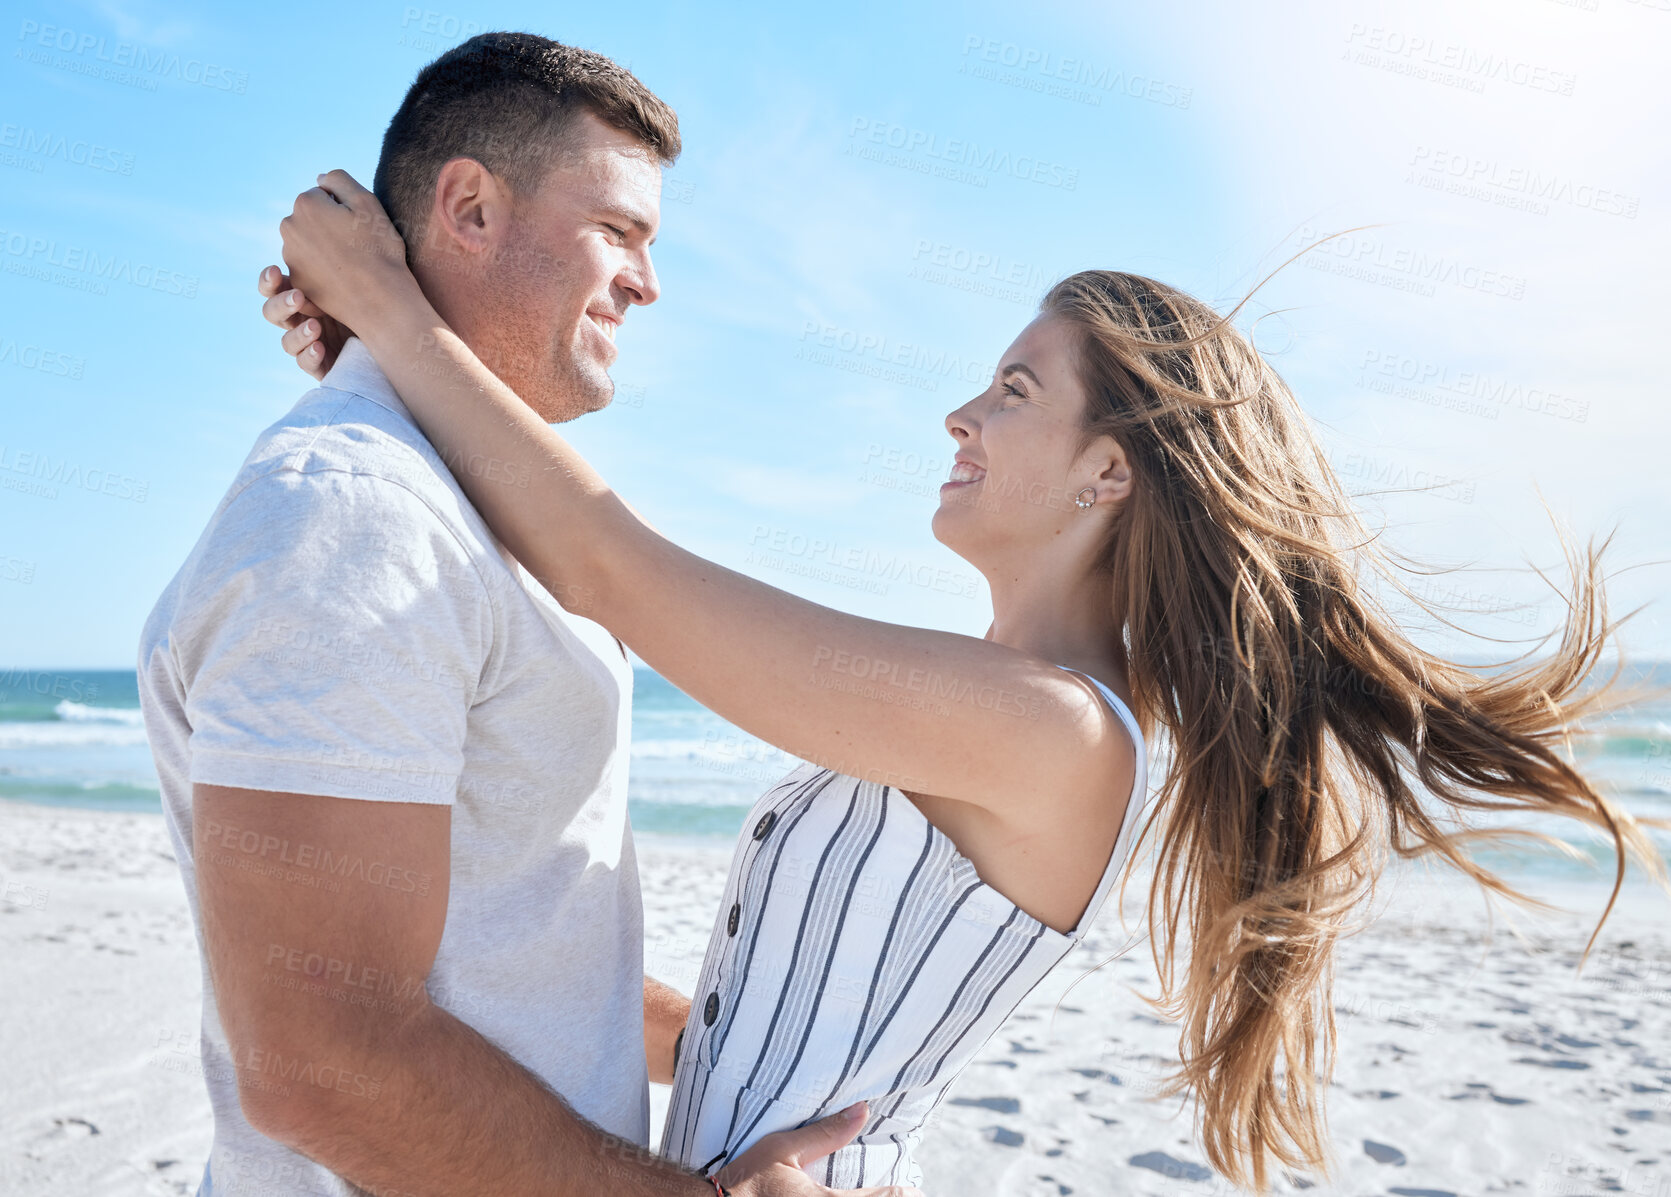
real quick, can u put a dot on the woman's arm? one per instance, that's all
(665, 1013)
(922, 710)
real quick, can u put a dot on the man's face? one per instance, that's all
(564, 261)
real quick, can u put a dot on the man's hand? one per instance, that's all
(772, 1167)
(311, 337)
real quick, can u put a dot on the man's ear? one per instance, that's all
(470, 210)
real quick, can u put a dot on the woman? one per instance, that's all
(1165, 545)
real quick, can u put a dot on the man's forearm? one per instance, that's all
(454, 1114)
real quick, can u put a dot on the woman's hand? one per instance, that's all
(345, 257)
(311, 337)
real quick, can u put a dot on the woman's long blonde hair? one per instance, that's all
(1298, 712)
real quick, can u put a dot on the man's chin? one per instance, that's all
(576, 394)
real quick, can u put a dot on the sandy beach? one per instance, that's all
(1464, 1067)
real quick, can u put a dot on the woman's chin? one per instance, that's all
(949, 525)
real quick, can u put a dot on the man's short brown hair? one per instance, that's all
(506, 100)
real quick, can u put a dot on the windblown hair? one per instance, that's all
(1299, 714)
(506, 100)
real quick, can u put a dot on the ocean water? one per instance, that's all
(76, 739)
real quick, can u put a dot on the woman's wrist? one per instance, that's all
(392, 313)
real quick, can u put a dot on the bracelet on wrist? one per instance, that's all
(708, 1176)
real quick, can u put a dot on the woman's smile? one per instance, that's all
(964, 473)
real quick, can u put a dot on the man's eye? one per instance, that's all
(621, 233)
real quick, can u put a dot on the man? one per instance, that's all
(392, 766)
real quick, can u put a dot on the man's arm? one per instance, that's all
(665, 1012)
(319, 964)
(340, 1054)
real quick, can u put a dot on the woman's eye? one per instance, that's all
(1011, 391)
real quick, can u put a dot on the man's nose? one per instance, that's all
(639, 280)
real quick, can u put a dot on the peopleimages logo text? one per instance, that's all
(964, 153)
(34, 254)
(77, 151)
(47, 474)
(133, 56)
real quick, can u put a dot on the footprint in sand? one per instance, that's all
(64, 1132)
(998, 1105)
(1096, 1074)
(1381, 1153)
(1003, 1136)
(1544, 1037)
(1167, 1165)
(174, 1178)
(1570, 1041)
(1479, 1091)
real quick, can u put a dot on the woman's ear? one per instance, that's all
(1114, 479)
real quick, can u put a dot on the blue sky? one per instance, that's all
(866, 210)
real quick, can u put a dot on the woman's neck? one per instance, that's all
(1068, 621)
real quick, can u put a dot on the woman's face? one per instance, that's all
(1016, 471)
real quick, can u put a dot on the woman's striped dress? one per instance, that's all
(857, 954)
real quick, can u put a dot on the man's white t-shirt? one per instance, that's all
(348, 626)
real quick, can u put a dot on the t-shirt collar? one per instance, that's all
(358, 373)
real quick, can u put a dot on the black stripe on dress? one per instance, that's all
(794, 957)
(922, 959)
(829, 958)
(992, 991)
(870, 994)
(951, 1006)
(712, 1038)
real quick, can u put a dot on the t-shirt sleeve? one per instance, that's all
(331, 640)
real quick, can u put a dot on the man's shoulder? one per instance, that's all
(338, 486)
(333, 441)
(338, 430)
(339, 495)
